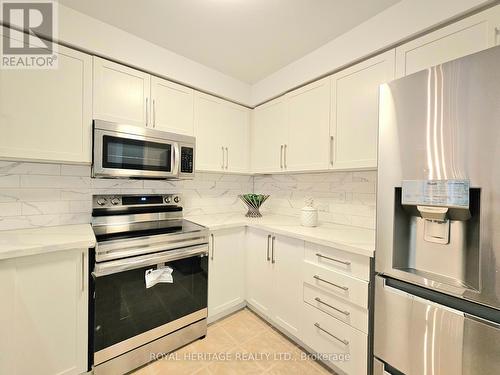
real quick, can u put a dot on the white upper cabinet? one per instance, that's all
(210, 151)
(222, 135)
(269, 134)
(121, 94)
(236, 133)
(461, 38)
(308, 127)
(172, 107)
(354, 112)
(46, 114)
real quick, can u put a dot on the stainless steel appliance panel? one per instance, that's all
(443, 124)
(417, 336)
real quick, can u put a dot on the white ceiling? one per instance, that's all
(245, 39)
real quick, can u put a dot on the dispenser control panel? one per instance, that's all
(449, 193)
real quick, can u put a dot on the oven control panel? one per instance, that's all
(135, 200)
(187, 159)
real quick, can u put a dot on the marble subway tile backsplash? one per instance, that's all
(37, 194)
(341, 197)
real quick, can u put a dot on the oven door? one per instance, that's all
(128, 315)
(119, 154)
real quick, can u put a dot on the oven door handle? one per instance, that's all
(176, 156)
(115, 266)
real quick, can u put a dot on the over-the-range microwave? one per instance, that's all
(126, 151)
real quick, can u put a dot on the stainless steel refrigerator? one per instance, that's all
(437, 284)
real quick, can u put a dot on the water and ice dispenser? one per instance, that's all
(436, 231)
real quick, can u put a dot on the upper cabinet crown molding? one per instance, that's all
(469, 35)
(121, 94)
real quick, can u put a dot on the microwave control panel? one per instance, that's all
(187, 159)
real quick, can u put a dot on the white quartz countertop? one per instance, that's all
(343, 237)
(23, 242)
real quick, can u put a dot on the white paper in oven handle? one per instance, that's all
(160, 275)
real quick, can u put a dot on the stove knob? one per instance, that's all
(168, 199)
(177, 199)
(115, 201)
(102, 201)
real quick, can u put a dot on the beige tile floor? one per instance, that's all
(242, 343)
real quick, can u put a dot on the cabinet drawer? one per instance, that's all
(337, 343)
(336, 283)
(339, 308)
(351, 264)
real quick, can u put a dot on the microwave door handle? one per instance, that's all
(176, 157)
(121, 265)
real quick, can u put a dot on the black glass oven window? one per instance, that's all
(124, 153)
(124, 307)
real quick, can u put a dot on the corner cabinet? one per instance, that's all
(469, 35)
(222, 131)
(45, 114)
(269, 133)
(354, 112)
(226, 276)
(44, 314)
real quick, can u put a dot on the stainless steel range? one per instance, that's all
(149, 280)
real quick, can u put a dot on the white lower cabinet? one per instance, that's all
(274, 282)
(226, 282)
(44, 314)
(335, 342)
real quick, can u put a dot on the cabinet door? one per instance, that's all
(44, 313)
(47, 114)
(288, 256)
(172, 107)
(459, 39)
(354, 109)
(226, 285)
(208, 130)
(236, 131)
(308, 127)
(121, 94)
(268, 134)
(259, 273)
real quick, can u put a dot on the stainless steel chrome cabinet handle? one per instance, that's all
(343, 341)
(83, 271)
(281, 157)
(227, 157)
(154, 114)
(222, 165)
(329, 282)
(347, 263)
(147, 112)
(346, 313)
(331, 150)
(268, 238)
(272, 250)
(284, 158)
(213, 246)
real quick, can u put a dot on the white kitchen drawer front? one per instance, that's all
(338, 284)
(351, 264)
(337, 307)
(337, 343)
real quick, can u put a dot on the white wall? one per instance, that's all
(88, 33)
(399, 22)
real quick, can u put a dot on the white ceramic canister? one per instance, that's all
(309, 214)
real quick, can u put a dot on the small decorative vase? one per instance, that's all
(309, 214)
(253, 202)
